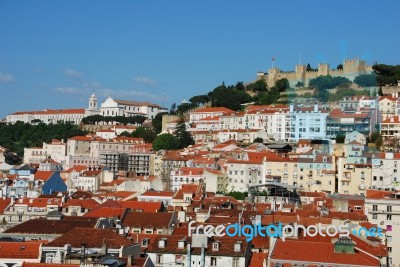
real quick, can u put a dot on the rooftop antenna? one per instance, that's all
(273, 59)
(163, 103)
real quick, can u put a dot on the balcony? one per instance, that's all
(383, 211)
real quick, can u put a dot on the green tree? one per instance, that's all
(266, 98)
(183, 136)
(282, 84)
(185, 107)
(339, 67)
(299, 84)
(239, 86)
(386, 74)
(366, 80)
(328, 82)
(229, 98)
(238, 195)
(172, 110)
(166, 141)
(199, 100)
(125, 133)
(340, 138)
(258, 140)
(147, 135)
(258, 86)
(157, 122)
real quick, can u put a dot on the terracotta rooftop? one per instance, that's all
(148, 219)
(94, 238)
(52, 111)
(44, 226)
(153, 193)
(318, 252)
(20, 250)
(211, 110)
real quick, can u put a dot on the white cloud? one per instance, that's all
(67, 90)
(145, 80)
(6, 78)
(72, 73)
(92, 85)
(126, 93)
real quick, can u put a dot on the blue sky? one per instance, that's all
(54, 53)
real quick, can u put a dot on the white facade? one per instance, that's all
(113, 107)
(385, 172)
(385, 213)
(185, 175)
(48, 116)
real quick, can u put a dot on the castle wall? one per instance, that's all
(351, 69)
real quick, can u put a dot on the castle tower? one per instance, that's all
(93, 102)
(323, 69)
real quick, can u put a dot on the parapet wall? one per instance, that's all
(351, 69)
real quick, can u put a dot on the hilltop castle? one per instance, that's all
(351, 69)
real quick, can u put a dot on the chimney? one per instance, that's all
(188, 256)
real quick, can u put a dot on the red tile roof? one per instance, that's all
(142, 206)
(36, 264)
(83, 203)
(378, 194)
(94, 238)
(211, 110)
(148, 219)
(4, 204)
(20, 250)
(106, 212)
(44, 226)
(318, 252)
(152, 193)
(257, 259)
(52, 111)
(43, 175)
(394, 119)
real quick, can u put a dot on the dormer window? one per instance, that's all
(162, 242)
(215, 246)
(181, 244)
(237, 246)
(145, 242)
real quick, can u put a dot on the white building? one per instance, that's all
(185, 175)
(48, 116)
(57, 150)
(383, 210)
(306, 123)
(114, 107)
(385, 171)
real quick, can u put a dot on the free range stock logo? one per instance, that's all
(279, 230)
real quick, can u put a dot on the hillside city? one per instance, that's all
(282, 161)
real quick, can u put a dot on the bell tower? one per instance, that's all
(93, 102)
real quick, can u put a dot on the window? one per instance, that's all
(213, 261)
(158, 258)
(389, 217)
(49, 257)
(375, 216)
(215, 246)
(235, 262)
(389, 208)
(374, 207)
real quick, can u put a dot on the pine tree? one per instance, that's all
(184, 137)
